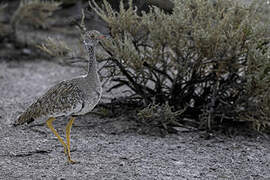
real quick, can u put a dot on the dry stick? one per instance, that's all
(166, 5)
(158, 70)
(82, 24)
(116, 86)
(136, 87)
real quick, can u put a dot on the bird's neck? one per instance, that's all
(92, 63)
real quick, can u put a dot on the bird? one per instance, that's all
(69, 98)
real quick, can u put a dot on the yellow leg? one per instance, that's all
(49, 124)
(68, 128)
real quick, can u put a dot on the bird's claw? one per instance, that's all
(71, 161)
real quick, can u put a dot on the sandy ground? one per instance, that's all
(110, 148)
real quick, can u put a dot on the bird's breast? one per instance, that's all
(91, 100)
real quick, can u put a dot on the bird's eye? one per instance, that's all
(86, 41)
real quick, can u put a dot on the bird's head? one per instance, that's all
(92, 38)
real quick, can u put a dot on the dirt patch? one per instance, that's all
(110, 148)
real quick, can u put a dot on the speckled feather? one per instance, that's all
(65, 98)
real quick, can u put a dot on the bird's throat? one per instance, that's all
(92, 63)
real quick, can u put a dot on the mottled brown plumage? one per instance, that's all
(70, 97)
(64, 98)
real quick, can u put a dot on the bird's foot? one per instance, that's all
(72, 162)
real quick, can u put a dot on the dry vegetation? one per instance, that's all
(200, 62)
(208, 59)
(34, 13)
(54, 47)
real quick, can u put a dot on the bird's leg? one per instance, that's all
(49, 124)
(68, 128)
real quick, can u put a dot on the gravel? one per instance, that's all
(110, 148)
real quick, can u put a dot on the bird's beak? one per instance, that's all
(102, 37)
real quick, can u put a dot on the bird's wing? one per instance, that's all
(64, 98)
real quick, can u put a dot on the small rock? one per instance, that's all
(26, 51)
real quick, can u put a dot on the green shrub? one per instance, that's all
(258, 87)
(208, 58)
